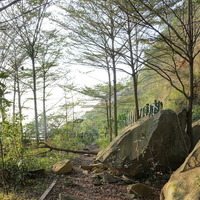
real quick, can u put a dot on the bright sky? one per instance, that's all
(81, 76)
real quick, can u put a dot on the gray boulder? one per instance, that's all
(156, 142)
(184, 183)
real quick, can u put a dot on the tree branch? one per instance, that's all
(8, 5)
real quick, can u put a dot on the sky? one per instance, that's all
(81, 76)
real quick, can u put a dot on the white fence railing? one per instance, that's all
(147, 110)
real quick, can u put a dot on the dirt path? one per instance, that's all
(80, 184)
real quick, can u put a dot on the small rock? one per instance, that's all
(140, 190)
(132, 196)
(85, 172)
(108, 178)
(99, 175)
(87, 155)
(67, 197)
(62, 167)
(86, 167)
(98, 170)
(68, 182)
(90, 167)
(96, 181)
(127, 180)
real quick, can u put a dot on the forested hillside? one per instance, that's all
(149, 51)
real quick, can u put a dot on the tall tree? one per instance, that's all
(171, 44)
(18, 57)
(101, 93)
(28, 28)
(132, 50)
(96, 27)
(48, 56)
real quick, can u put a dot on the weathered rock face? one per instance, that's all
(184, 183)
(156, 141)
(62, 167)
(196, 132)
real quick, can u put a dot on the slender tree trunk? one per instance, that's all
(66, 111)
(107, 118)
(19, 106)
(115, 97)
(114, 77)
(14, 97)
(191, 71)
(109, 103)
(44, 109)
(35, 101)
(134, 66)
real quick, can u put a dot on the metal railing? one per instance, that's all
(147, 110)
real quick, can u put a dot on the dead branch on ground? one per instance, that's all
(45, 145)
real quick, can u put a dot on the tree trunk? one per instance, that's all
(191, 70)
(114, 77)
(35, 101)
(115, 98)
(109, 103)
(44, 108)
(19, 106)
(134, 67)
(14, 97)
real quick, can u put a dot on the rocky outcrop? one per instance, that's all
(156, 142)
(62, 167)
(184, 183)
(196, 132)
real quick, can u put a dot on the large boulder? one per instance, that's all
(196, 132)
(159, 141)
(184, 183)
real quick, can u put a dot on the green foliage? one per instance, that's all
(175, 100)
(122, 120)
(11, 141)
(35, 158)
(11, 153)
(12, 196)
(14, 175)
(196, 113)
(103, 142)
(68, 136)
(3, 75)
(3, 102)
